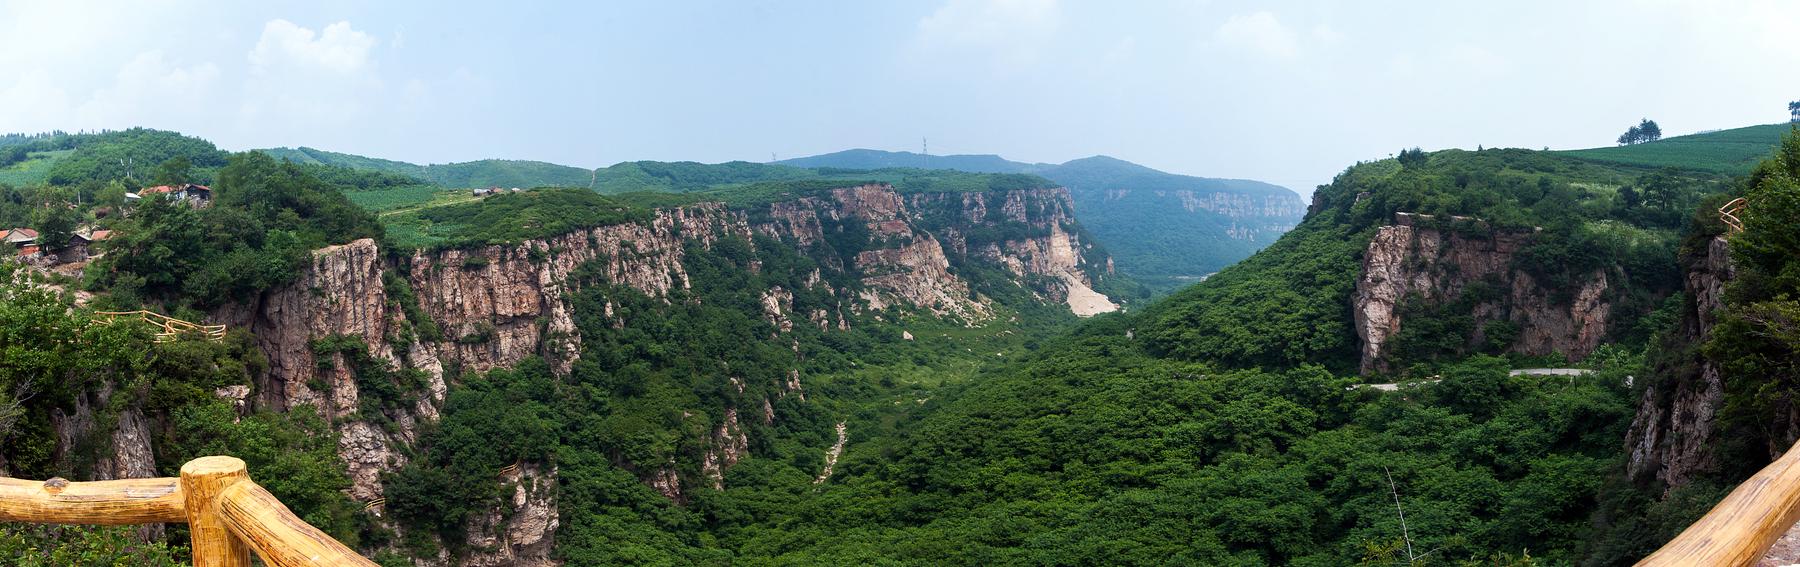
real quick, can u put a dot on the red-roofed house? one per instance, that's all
(20, 236)
(196, 195)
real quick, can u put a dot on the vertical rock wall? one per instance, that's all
(1670, 440)
(1437, 265)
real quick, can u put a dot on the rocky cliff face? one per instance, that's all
(1438, 265)
(1260, 218)
(497, 305)
(1671, 436)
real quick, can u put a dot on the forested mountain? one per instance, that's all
(481, 173)
(1166, 230)
(879, 159)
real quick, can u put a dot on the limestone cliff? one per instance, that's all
(1436, 263)
(497, 305)
(1671, 437)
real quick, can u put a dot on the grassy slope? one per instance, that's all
(1732, 151)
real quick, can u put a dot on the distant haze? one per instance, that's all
(1287, 93)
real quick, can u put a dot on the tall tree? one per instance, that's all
(1631, 136)
(1412, 158)
(1650, 131)
(175, 171)
(55, 225)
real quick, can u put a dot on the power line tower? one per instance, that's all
(925, 152)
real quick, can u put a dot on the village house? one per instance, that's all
(80, 248)
(189, 193)
(19, 237)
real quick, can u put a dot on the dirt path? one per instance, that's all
(1517, 372)
(428, 204)
(831, 456)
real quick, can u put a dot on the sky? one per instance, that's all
(1285, 92)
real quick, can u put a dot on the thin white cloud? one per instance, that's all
(33, 103)
(1261, 33)
(1011, 31)
(150, 85)
(307, 81)
(1325, 34)
(338, 48)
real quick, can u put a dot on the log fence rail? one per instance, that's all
(228, 515)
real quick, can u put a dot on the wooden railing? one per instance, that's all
(1740, 529)
(227, 514)
(1729, 214)
(170, 328)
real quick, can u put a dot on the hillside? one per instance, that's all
(481, 173)
(626, 361)
(1166, 230)
(1220, 425)
(1732, 151)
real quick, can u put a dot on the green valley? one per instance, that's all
(769, 364)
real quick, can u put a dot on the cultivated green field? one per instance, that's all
(404, 197)
(1732, 151)
(32, 171)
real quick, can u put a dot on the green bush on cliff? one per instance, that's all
(265, 219)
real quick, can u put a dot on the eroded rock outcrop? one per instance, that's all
(498, 305)
(1416, 258)
(1671, 437)
(524, 535)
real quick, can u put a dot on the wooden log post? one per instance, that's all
(202, 480)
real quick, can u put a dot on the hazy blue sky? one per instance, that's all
(1287, 92)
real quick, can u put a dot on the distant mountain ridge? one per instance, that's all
(1164, 229)
(480, 173)
(879, 159)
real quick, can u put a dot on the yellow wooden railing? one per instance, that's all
(227, 514)
(170, 328)
(1740, 529)
(1729, 214)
